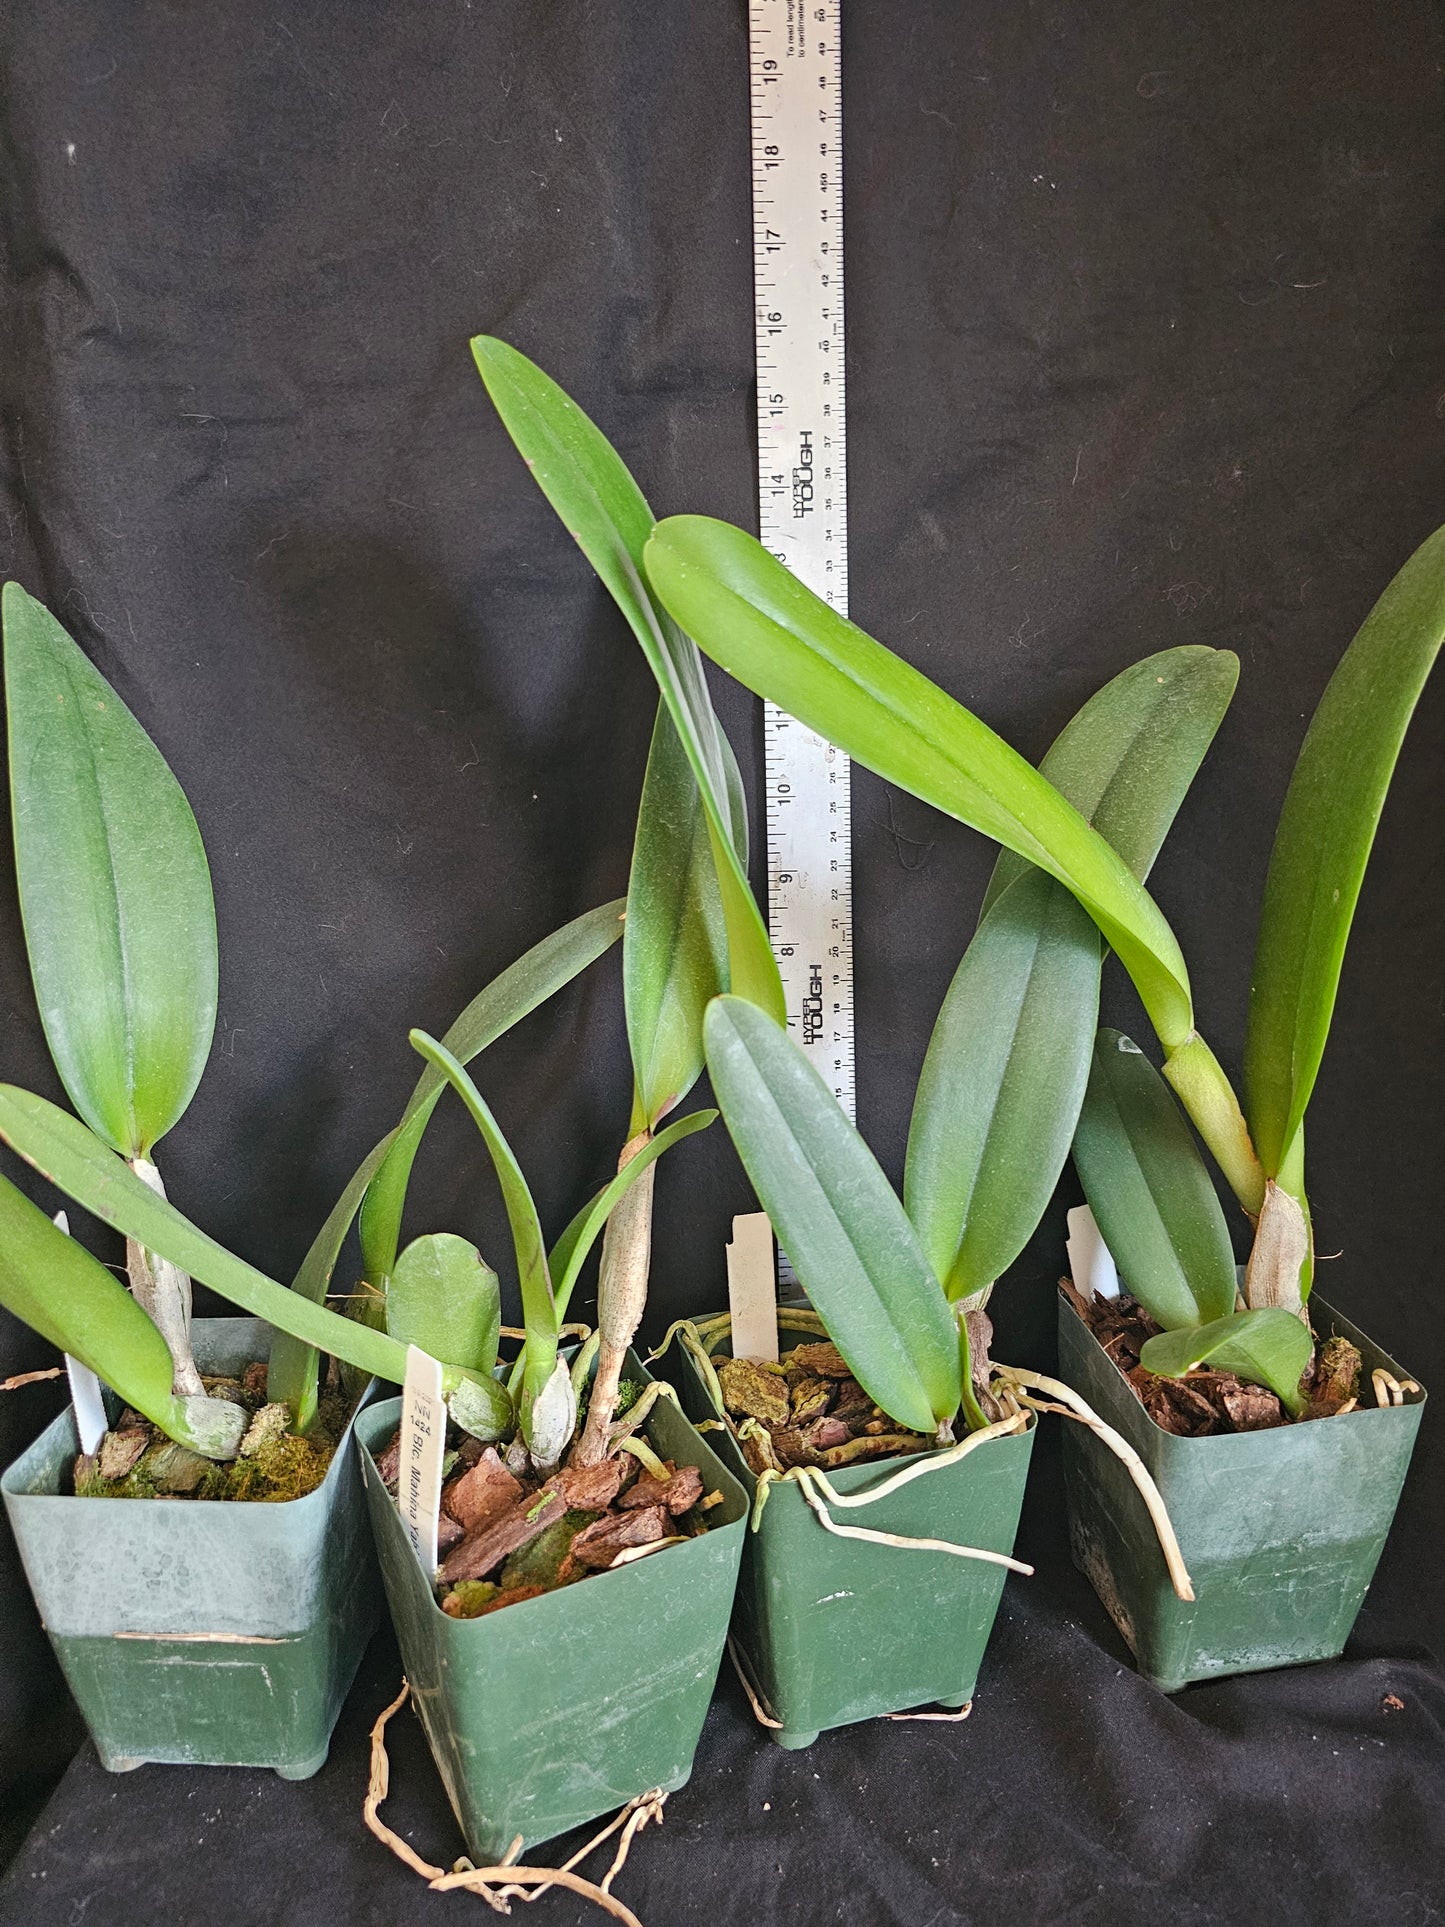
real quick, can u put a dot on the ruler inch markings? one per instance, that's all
(795, 62)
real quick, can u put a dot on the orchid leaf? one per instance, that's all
(1009, 1059)
(837, 1217)
(605, 512)
(115, 894)
(1002, 1083)
(293, 1373)
(1326, 830)
(674, 949)
(568, 1255)
(783, 642)
(539, 1306)
(443, 1296)
(70, 1298)
(1149, 1190)
(1270, 1348)
(1126, 760)
(545, 969)
(63, 1150)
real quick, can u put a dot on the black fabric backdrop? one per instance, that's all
(1145, 347)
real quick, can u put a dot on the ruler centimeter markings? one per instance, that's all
(797, 172)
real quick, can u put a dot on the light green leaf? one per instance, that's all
(545, 969)
(293, 1373)
(444, 1297)
(605, 512)
(1002, 1083)
(1126, 760)
(1149, 1190)
(567, 1256)
(1269, 1348)
(836, 1216)
(114, 890)
(783, 642)
(54, 1285)
(539, 1306)
(61, 1148)
(674, 950)
(1322, 845)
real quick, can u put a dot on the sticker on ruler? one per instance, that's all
(751, 1297)
(1091, 1263)
(86, 1395)
(423, 1442)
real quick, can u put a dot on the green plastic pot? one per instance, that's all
(835, 1630)
(1281, 1530)
(553, 1711)
(200, 1632)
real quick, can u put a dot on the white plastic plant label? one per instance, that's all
(752, 1299)
(85, 1389)
(1091, 1263)
(423, 1442)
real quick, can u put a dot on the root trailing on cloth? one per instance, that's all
(508, 1880)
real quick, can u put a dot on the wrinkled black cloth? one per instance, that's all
(1145, 328)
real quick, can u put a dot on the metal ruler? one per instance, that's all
(797, 168)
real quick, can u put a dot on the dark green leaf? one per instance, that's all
(522, 986)
(445, 1298)
(779, 639)
(837, 1217)
(674, 950)
(605, 512)
(1002, 1083)
(114, 889)
(1323, 843)
(1269, 1348)
(1149, 1190)
(54, 1285)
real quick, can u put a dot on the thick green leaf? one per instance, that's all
(62, 1149)
(1002, 1083)
(539, 1306)
(1126, 760)
(1270, 1348)
(568, 1255)
(293, 1374)
(1322, 845)
(443, 1296)
(114, 889)
(604, 511)
(674, 949)
(1149, 1190)
(1009, 1060)
(522, 986)
(763, 626)
(836, 1216)
(57, 1288)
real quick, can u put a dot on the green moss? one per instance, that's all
(538, 1563)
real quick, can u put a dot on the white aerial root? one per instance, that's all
(508, 1881)
(1390, 1390)
(1014, 1378)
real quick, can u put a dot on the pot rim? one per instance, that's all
(65, 1419)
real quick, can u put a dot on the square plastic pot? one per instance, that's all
(835, 1630)
(557, 1709)
(1281, 1530)
(200, 1632)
